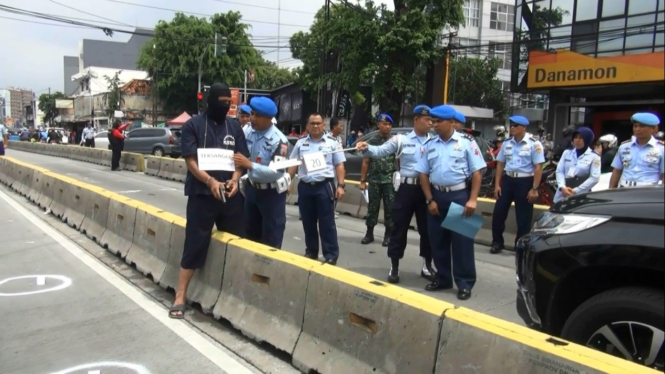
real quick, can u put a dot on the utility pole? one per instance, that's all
(446, 82)
(324, 60)
(154, 87)
(52, 108)
(279, 26)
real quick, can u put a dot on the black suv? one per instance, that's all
(591, 271)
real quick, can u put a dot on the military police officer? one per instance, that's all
(244, 116)
(578, 170)
(459, 121)
(265, 194)
(518, 173)
(316, 190)
(409, 198)
(450, 172)
(639, 161)
(379, 174)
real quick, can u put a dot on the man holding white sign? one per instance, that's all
(322, 161)
(209, 142)
(265, 194)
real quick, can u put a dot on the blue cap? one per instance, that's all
(443, 112)
(263, 106)
(245, 109)
(385, 117)
(519, 120)
(421, 110)
(648, 119)
(459, 117)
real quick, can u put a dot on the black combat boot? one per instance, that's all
(386, 237)
(393, 275)
(369, 236)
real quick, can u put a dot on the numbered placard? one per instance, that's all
(314, 162)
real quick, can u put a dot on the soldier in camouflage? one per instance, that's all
(379, 173)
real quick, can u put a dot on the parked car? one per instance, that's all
(158, 141)
(591, 271)
(102, 140)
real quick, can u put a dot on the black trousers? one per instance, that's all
(409, 200)
(115, 158)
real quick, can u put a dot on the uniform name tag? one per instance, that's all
(314, 161)
(215, 159)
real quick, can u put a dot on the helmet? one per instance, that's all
(569, 131)
(500, 130)
(498, 140)
(609, 139)
(659, 135)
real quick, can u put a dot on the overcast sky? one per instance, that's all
(33, 51)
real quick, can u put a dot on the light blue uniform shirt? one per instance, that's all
(451, 162)
(3, 132)
(412, 151)
(587, 165)
(325, 144)
(642, 164)
(521, 157)
(263, 147)
(88, 133)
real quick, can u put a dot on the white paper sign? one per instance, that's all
(283, 164)
(215, 159)
(314, 162)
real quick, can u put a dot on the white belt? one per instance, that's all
(625, 183)
(518, 175)
(409, 180)
(457, 187)
(263, 186)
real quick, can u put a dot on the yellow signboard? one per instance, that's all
(568, 69)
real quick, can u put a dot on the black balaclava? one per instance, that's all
(217, 110)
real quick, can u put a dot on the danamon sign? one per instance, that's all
(567, 69)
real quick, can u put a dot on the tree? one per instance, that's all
(269, 77)
(179, 44)
(474, 82)
(114, 99)
(376, 46)
(47, 104)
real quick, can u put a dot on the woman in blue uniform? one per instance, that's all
(578, 170)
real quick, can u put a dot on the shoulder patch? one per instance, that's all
(596, 162)
(467, 136)
(661, 142)
(627, 141)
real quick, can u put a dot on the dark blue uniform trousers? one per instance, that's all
(265, 216)
(409, 199)
(316, 202)
(204, 211)
(446, 243)
(512, 190)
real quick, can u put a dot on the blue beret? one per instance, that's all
(519, 120)
(385, 117)
(421, 110)
(245, 109)
(459, 117)
(263, 106)
(648, 119)
(443, 112)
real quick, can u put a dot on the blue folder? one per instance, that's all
(467, 226)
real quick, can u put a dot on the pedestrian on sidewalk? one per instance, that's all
(89, 136)
(117, 141)
(4, 139)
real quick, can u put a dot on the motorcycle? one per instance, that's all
(548, 185)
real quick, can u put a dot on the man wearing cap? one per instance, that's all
(265, 194)
(409, 198)
(318, 190)
(205, 203)
(459, 121)
(639, 161)
(244, 116)
(450, 172)
(379, 174)
(518, 173)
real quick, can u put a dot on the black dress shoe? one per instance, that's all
(436, 286)
(464, 294)
(496, 249)
(386, 241)
(393, 276)
(311, 256)
(330, 262)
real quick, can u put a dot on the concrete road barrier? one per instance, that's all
(47, 189)
(152, 237)
(96, 214)
(119, 235)
(166, 169)
(350, 204)
(132, 162)
(35, 186)
(152, 165)
(22, 180)
(60, 191)
(75, 198)
(179, 172)
(5, 168)
(170, 277)
(264, 292)
(355, 324)
(206, 284)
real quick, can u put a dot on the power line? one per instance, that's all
(264, 7)
(90, 14)
(199, 14)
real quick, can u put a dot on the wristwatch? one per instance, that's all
(535, 188)
(342, 185)
(428, 201)
(363, 180)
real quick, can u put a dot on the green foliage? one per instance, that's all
(47, 104)
(376, 46)
(473, 82)
(114, 99)
(173, 63)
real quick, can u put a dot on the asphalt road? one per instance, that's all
(493, 294)
(63, 311)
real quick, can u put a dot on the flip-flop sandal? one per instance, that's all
(173, 311)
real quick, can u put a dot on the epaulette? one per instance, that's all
(627, 141)
(467, 136)
(661, 142)
(596, 153)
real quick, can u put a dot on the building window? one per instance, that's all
(472, 13)
(501, 52)
(502, 17)
(468, 46)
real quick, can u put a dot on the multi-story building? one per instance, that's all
(15, 102)
(602, 59)
(5, 106)
(104, 54)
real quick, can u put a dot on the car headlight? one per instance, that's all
(554, 223)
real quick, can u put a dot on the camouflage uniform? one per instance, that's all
(379, 178)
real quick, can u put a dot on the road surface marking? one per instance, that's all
(65, 282)
(41, 280)
(215, 354)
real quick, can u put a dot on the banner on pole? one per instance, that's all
(235, 100)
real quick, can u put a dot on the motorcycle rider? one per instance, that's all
(659, 135)
(566, 142)
(608, 144)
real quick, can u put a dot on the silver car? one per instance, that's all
(155, 141)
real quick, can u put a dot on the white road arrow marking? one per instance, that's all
(41, 280)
